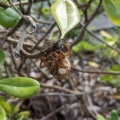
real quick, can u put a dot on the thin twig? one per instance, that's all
(52, 113)
(63, 94)
(21, 6)
(58, 88)
(29, 7)
(26, 2)
(30, 55)
(96, 72)
(14, 41)
(11, 32)
(13, 57)
(7, 70)
(49, 30)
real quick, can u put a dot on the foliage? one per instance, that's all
(112, 79)
(5, 105)
(11, 111)
(2, 113)
(84, 46)
(112, 12)
(8, 17)
(113, 116)
(66, 15)
(19, 86)
(99, 117)
(116, 3)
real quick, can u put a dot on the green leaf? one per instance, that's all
(115, 67)
(66, 15)
(99, 117)
(114, 115)
(116, 3)
(5, 105)
(25, 114)
(15, 109)
(2, 57)
(2, 113)
(19, 86)
(83, 45)
(21, 118)
(106, 78)
(112, 12)
(8, 17)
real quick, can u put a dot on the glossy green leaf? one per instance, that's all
(8, 17)
(112, 12)
(66, 15)
(2, 57)
(114, 115)
(116, 3)
(25, 114)
(5, 105)
(99, 117)
(19, 86)
(2, 113)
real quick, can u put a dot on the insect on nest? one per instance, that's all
(56, 61)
